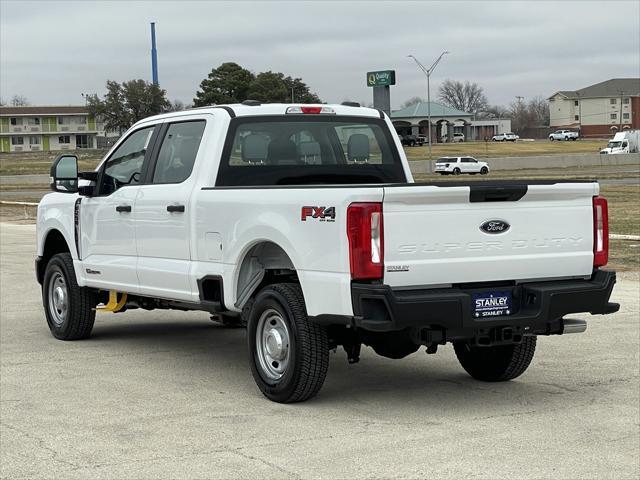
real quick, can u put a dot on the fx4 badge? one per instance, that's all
(323, 214)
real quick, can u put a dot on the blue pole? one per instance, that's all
(154, 54)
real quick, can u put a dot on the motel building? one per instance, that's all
(445, 121)
(49, 129)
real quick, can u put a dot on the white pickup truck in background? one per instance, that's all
(564, 135)
(303, 222)
(623, 142)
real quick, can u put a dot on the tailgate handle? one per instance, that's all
(496, 193)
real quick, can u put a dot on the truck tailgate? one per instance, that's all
(433, 234)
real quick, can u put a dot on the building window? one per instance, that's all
(16, 121)
(17, 141)
(62, 120)
(576, 117)
(625, 116)
(64, 139)
(625, 101)
(81, 120)
(33, 121)
(34, 140)
(614, 116)
(613, 101)
(84, 141)
(575, 102)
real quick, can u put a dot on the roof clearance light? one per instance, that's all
(311, 110)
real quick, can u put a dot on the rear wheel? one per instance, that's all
(69, 308)
(456, 171)
(289, 355)
(496, 364)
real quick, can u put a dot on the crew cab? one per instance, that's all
(505, 137)
(303, 223)
(458, 165)
(563, 135)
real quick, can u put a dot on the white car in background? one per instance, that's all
(564, 135)
(458, 165)
(505, 137)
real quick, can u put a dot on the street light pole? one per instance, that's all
(428, 72)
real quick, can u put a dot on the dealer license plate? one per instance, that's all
(492, 304)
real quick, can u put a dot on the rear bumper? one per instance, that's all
(538, 306)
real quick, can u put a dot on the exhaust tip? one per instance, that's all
(573, 325)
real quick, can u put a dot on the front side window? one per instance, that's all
(309, 149)
(178, 152)
(124, 166)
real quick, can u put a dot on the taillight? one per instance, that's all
(600, 232)
(366, 240)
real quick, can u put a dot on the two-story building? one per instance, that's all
(598, 110)
(25, 129)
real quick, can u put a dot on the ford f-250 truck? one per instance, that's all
(304, 222)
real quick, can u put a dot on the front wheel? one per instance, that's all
(551, 139)
(498, 363)
(456, 171)
(484, 171)
(69, 308)
(289, 355)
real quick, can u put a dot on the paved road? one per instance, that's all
(169, 394)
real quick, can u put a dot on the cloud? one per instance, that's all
(53, 51)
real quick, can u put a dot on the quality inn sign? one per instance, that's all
(382, 78)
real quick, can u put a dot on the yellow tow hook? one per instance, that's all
(114, 305)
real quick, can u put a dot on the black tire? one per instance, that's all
(484, 171)
(551, 139)
(456, 171)
(307, 358)
(496, 364)
(70, 314)
(494, 140)
(504, 139)
(573, 139)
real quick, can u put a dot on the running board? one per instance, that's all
(573, 325)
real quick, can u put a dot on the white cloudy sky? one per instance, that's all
(52, 51)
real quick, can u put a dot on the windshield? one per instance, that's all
(614, 144)
(306, 149)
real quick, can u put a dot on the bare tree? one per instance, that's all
(468, 97)
(534, 113)
(413, 101)
(494, 111)
(19, 101)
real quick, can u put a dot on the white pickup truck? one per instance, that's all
(303, 221)
(563, 135)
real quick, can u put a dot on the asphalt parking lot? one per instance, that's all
(169, 395)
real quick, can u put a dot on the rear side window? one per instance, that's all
(178, 152)
(298, 150)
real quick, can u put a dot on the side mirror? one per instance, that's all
(64, 174)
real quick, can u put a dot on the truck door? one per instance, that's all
(162, 210)
(108, 247)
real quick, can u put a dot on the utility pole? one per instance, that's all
(621, 95)
(154, 55)
(428, 72)
(579, 114)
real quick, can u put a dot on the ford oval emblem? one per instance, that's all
(495, 226)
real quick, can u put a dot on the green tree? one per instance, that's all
(301, 92)
(126, 103)
(229, 83)
(269, 87)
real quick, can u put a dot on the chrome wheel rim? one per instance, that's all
(272, 344)
(58, 298)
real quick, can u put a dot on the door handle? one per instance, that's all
(123, 208)
(175, 208)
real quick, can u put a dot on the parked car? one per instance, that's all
(564, 135)
(422, 140)
(623, 142)
(458, 165)
(220, 209)
(505, 137)
(410, 140)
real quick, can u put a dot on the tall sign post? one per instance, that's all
(380, 81)
(154, 54)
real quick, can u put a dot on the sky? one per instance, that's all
(53, 51)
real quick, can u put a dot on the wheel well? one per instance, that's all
(263, 264)
(53, 244)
